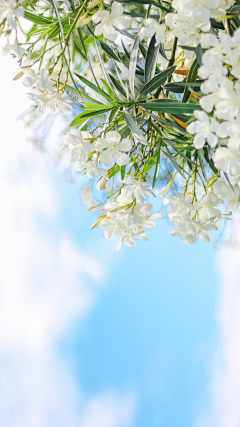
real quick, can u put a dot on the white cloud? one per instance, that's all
(223, 407)
(109, 411)
(47, 283)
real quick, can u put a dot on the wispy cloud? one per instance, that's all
(223, 407)
(47, 283)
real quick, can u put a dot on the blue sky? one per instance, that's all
(153, 329)
(148, 336)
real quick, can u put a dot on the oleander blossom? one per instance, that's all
(10, 11)
(114, 149)
(204, 130)
(79, 145)
(154, 28)
(106, 21)
(149, 108)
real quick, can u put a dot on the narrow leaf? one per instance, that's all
(133, 64)
(94, 87)
(155, 176)
(192, 75)
(55, 7)
(157, 81)
(86, 115)
(169, 106)
(117, 86)
(173, 161)
(151, 60)
(199, 53)
(123, 171)
(137, 133)
(109, 51)
(178, 87)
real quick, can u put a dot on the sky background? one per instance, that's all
(148, 336)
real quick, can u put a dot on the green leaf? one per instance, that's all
(43, 51)
(209, 161)
(117, 85)
(89, 40)
(125, 49)
(162, 50)
(235, 9)
(55, 7)
(169, 106)
(157, 81)
(173, 161)
(113, 112)
(141, 15)
(143, 50)
(182, 155)
(123, 171)
(96, 107)
(133, 64)
(156, 172)
(149, 165)
(84, 96)
(154, 3)
(151, 60)
(136, 132)
(79, 45)
(199, 53)
(86, 115)
(101, 64)
(109, 51)
(125, 33)
(178, 87)
(109, 90)
(94, 87)
(115, 170)
(217, 24)
(202, 166)
(192, 75)
(37, 19)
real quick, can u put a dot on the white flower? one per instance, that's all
(206, 204)
(91, 169)
(229, 105)
(107, 21)
(87, 195)
(127, 218)
(184, 227)
(129, 239)
(79, 145)
(58, 103)
(219, 46)
(185, 31)
(39, 81)
(101, 185)
(234, 56)
(153, 27)
(228, 160)
(212, 66)
(203, 128)
(41, 100)
(15, 49)
(148, 220)
(138, 188)
(113, 226)
(226, 4)
(114, 149)
(207, 102)
(179, 205)
(9, 10)
(202, 227)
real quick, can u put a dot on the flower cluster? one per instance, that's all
(151, 99)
